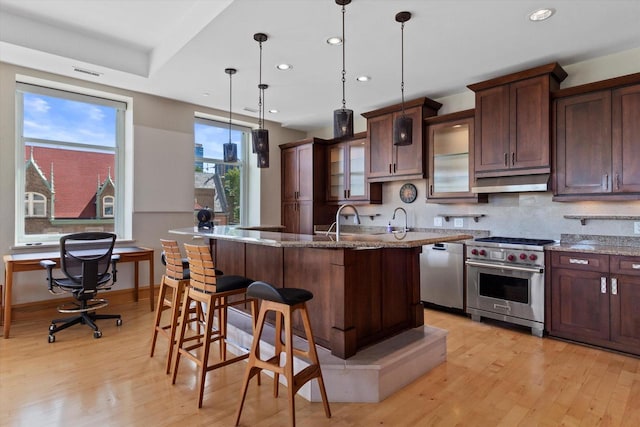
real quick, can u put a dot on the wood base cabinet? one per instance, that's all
(595, 299)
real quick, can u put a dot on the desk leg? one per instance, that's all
(151, 282)
(8, 284)
(135, 279)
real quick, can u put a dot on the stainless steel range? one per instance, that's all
(505, 280)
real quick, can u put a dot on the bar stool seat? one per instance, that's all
(284, 302)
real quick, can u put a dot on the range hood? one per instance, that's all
(511, 184)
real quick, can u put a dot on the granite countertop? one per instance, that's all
(608, 245)
(347, 240)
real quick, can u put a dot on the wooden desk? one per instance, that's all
(31, 262)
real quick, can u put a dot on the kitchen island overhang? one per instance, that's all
(366, 287)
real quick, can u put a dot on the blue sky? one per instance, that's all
(212, 138)
(61, 119)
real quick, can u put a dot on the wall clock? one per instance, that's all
(408, 193)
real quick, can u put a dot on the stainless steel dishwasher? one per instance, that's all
(442, 275)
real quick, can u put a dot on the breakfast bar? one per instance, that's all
(366, 287)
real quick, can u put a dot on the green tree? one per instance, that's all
(232, 191)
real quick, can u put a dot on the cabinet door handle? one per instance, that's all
(348, 194)
(513, 158)
(614, 286)
(603, 285)
(344, 193)
(578, 261)
(617, 181)
(605, 183)
(431, 189)
(389, 168)
(506, 159)
(395, 167)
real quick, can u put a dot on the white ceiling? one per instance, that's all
(180, 48)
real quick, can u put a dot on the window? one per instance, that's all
(70, 153)
(220, 186)
(35, 205)
(107, 206)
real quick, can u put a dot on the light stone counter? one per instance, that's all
(607, 245)
(409, 239)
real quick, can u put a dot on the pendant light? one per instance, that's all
(230, 150)
(262, 139)
(260, 136)
(342, 117)
(403, 125)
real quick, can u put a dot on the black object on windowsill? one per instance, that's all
(205, 219)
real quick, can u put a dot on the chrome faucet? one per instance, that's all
(338, 218)
(405, 217)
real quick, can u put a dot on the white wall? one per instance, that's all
(163, 174)
(524, 215)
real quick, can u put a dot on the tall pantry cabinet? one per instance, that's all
(303, 185)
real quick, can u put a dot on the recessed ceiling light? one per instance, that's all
(334, 41)
(284, 66)
(274, 111)
(205, 94)
(541, 14)
(363, 78)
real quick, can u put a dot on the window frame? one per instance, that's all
(30, 201)
(108, 204)
(123, 208)
(243, 154)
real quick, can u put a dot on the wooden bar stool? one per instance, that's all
(217, 294)
(284, 302)
(174, 281)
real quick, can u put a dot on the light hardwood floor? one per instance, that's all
(494, 376)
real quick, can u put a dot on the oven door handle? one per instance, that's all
(504, 267)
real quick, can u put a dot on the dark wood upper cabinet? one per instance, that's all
(513, 122)
(387, 162)
(347, 172)
(450, 154)
(597, 141)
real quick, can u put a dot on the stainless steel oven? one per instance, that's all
(505, 281)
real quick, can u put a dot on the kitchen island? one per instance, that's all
(366, 287)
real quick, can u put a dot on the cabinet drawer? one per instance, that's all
(625, 265)
(580, 261)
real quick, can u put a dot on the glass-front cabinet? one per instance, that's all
(347, 172)
(450, 153)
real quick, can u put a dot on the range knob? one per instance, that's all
(523, 256)
(511, 257)
(533, 257)
(474, 252)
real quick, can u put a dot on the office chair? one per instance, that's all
(85, 259)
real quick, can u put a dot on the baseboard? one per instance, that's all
(37, 309)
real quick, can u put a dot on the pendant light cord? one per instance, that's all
(260, 93)
(402, 62)
(230, 74)
(344, 102)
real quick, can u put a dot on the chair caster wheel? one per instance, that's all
(52, 327)
(119, 322)
(97, 334)
(52, 338)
